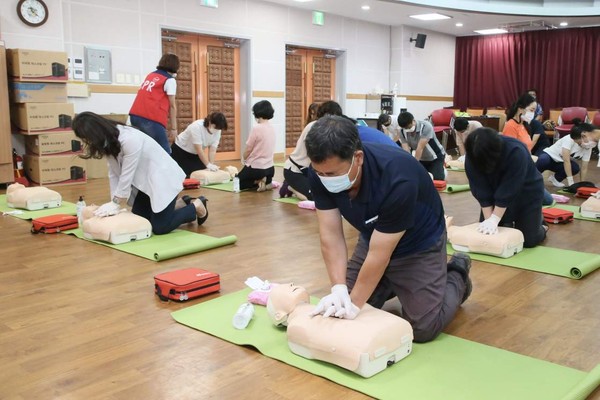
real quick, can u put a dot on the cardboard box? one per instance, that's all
(37, 92)
(34, 118)
(57, 143)
(46, 170)
(96, 168)
(37, 65)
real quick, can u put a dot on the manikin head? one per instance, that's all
(283, 299)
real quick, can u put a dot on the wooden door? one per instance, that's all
(310, 77)
(208, 81)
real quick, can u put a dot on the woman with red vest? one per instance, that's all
(155, 102)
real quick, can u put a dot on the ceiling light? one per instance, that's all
(564, 24)
(459, 24)
(430, 17)
(491, 31)
(366, 7)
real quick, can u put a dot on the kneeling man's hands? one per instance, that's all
(337, 304)
(489, 226)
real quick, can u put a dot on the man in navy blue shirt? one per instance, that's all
(506, 183)
(390, 199)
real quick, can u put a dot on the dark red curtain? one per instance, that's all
(563, 65)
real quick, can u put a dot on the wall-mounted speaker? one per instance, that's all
(420, 40)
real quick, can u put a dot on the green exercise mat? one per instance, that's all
(456, 188)
(279, 164)
(288, 200)
(65, 208)
(549, 260)
(226, 187)
(456, 169)
(575, 211)
(448, 368)
(163, 247)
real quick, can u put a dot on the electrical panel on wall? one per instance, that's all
(97, 65)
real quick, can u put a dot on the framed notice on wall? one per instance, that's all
(97, 65)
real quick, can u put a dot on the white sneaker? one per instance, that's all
(556, 183)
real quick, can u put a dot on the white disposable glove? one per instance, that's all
(337, 302)
(212, 167)
(107, 209)
(461, 159)
(596, 195)
(348, 313)
(489, 226)
(570, 180)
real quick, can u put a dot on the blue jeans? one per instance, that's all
(153, 129)
(548, 199)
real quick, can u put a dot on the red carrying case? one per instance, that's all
(439, 185)
(184, 284)
(557, 215)
(54, 223)
(585, 192)
(191, 183)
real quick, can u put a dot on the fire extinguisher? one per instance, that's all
(18, 165)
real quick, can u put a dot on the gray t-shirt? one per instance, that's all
(423, 130)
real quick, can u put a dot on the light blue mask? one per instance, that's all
(337, 184)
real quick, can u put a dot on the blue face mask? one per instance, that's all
(337, 184)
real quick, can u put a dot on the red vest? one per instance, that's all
(151, 101)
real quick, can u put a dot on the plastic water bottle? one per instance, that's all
(242, 317)
(236, 184)
(80, 206)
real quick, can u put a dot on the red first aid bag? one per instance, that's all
(184, 284)
(585, 192)
(54, 223)
(439, 185)
(557, 215)
(191, 183)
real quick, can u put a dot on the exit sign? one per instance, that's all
(318, 18)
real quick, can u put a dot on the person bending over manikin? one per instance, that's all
(365, 345)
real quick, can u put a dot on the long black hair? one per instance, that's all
(522, 102)
(484, 148)
(99, 134)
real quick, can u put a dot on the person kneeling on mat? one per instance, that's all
(140, 171)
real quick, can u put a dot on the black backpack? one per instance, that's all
(573, 188)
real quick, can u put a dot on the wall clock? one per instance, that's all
(32, 12)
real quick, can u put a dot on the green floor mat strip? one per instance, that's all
(163, 247)
(65, 208)
(448, 368)
(279, 164)
(226, 187)
(456, 169)
(288, 200)
(456, 188)
(549, 260)
(576, 213)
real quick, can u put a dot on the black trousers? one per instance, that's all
(187, 161)
(248, 175)
(436, 168)
(298, 181)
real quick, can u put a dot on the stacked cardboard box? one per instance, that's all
(40, 111)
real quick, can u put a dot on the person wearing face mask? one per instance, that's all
(463, 127)
(561, 157)
(418, 136)
(385, 194)
(537, 133)
(506, 184)
(190, 145)
(258, 169)
(538, 113)
(514, 126)
(155, 105)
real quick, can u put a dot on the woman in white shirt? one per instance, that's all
(577, 145)
(140, 173)
(189, 147)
